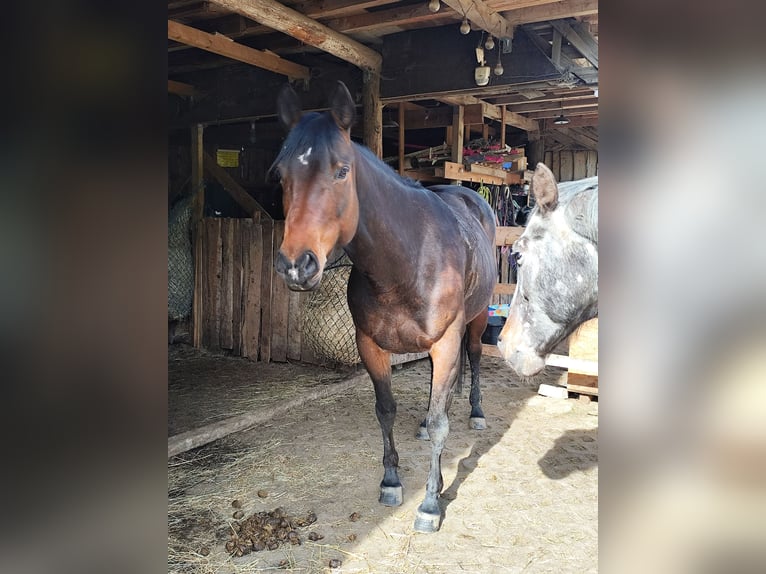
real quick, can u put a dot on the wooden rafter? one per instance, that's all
(387, 18)
(584, 111)
(556, 105)
(588, 74)
(279, 17)
(553, 96)
(181, 89)
(582, 41)
(482, 17)
(551, 11)
(223, 46)
(476, 109)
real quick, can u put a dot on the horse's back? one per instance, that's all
(476, 224)
(466, 203)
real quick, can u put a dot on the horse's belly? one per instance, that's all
(396, 331)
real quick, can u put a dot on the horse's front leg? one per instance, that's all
(474, 332)
(378, 365)
(445, 358)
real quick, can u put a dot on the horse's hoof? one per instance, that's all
(477, 423)
(426, 522)
(390, 495)
(422, 433)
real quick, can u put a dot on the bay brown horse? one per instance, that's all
(423, 274)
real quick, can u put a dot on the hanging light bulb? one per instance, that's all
(465, 27)
(490, 43)
(499, 67)
(434, 5)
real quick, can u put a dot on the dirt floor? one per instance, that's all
(520, 496)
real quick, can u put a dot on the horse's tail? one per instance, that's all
(461, 367)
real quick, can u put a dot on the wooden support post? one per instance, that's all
(373, 113)
(401, 138)
(458, 127)
(197, 168)
(502, 126)
(535, 152)
(485, 131)
(198, 205)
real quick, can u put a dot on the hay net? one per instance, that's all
(180, 260)
(328, 328)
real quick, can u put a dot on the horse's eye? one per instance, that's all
(342, 172)
(517, 257)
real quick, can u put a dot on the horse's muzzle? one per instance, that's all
(524, 362)
(303, 274)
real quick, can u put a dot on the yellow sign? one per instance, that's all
(227, 157)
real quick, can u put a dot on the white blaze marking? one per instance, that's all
(579, 279)
(303, 158)
(293, 273)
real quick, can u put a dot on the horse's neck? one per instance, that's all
(388, 223)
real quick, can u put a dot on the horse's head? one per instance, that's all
(557, 273)
(316, 169)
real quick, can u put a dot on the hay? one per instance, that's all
(328, 328)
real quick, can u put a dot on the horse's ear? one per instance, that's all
(288, 107)
(342, 107)
(544, 189)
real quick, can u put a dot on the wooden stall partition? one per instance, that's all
(583, 349)
(251, 238)
(568, 165)
(243, 307)
(280, 303)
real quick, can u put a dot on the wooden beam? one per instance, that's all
(336, 8)
(587, 74)
(236, 191)
(493, 112)
(279, 17)
(401, 138)
(552, 11)
(570, 104)
(223, 46)
(552, 96)
(369, 21)
(482, 17)
(556, 48)
(587, 110)
(181, 89)
(197, 180)
(585, 47)
(458, 126)
(373, 113)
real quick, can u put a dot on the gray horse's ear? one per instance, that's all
(342, 107)
(288, 107)
(544, 189)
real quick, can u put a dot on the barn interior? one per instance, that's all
(470, 91)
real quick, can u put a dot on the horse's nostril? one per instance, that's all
(308, 263)
(281, 264)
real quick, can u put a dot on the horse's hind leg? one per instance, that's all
(378, 365)
(474, 332)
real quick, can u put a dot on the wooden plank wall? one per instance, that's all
(244, 308)
(568, 165)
